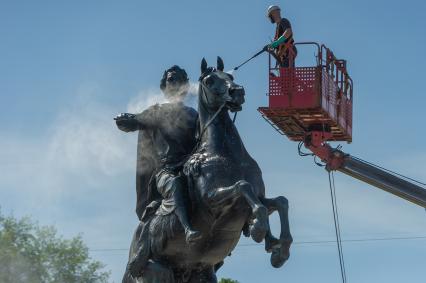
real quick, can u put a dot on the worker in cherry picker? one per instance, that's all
(283, 44)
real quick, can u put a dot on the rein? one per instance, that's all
(200, 136)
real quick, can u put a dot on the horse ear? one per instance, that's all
(203, 66)
(220, 65)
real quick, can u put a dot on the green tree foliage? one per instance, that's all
(227, 280)
(33, 254)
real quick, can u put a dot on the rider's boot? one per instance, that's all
(180, 210)
(192, 235)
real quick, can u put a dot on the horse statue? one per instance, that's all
(226, 195)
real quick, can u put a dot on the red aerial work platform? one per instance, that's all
(303, 100)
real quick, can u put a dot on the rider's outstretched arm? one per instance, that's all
(128, 122)
(148, 118)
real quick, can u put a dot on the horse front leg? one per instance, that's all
(280, 248)
(221, 196)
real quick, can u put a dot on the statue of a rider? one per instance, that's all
(166, 138)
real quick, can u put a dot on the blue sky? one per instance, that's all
(67, 67)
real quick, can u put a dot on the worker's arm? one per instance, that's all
(286, 35)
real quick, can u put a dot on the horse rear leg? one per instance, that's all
(219, 197)
(280, 248)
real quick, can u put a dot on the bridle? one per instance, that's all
(211, 120)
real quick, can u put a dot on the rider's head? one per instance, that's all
(274, 13)
(175, 83)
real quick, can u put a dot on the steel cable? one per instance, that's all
(337, 226)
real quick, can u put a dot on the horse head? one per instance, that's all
(218, 90)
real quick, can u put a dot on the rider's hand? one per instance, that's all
(127, 122)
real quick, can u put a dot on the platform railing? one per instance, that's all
(325, 59)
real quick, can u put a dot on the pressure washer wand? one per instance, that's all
(252, 57)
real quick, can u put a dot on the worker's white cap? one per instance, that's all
(271, 9)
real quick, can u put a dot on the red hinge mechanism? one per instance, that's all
(316, 141)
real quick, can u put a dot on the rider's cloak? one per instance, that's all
(147, 164)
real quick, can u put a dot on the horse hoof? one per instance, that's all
(193, 236)
(278, 260)
(280, 255)
(257, 233)
(246, 230)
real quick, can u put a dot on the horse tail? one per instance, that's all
(127, 277)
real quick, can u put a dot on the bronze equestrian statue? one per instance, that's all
(198, 188)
